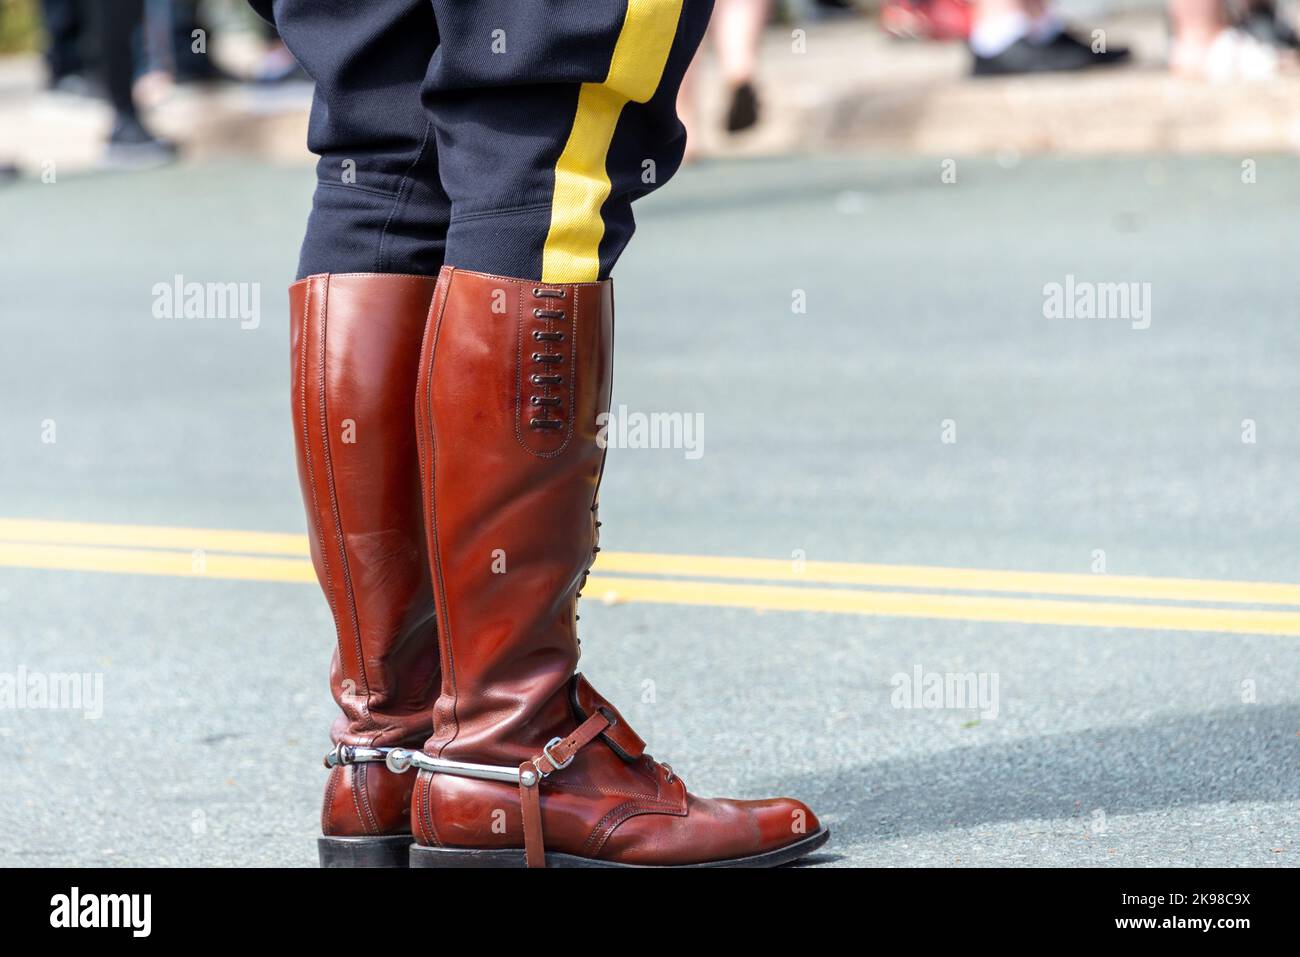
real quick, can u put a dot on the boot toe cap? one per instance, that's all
(783, 821)
(713, 830)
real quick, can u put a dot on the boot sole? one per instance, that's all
(422, 856)
(391, 851)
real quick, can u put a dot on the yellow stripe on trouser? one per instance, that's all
(572, 250)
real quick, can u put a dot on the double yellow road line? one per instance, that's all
(903, 591)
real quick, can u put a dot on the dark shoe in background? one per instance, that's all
(742, 113)
(132, 147)
(1063, 53)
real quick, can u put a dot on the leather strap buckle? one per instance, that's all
(556, 763)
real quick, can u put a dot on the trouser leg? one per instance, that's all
(551, 118)
(116, 24)
(379, 205)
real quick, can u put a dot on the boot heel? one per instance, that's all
(422, 856)
(364, 851)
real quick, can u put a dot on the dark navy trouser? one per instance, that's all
(504, 136)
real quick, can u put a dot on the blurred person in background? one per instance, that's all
(1006, 37)
(1220, 42)
(132, 52)
(735, 31)
(130, 144)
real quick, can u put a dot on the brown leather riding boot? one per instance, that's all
(527, 761)
(355, 341)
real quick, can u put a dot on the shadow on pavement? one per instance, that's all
(1245, 754)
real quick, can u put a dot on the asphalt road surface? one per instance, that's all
(882, 395)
